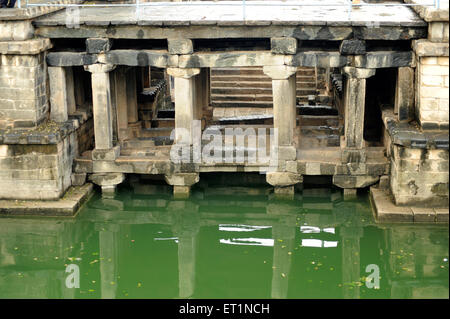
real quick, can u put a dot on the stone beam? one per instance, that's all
(384, 59)
(300, 32)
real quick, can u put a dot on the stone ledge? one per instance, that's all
(424, 48)
(30, 47)
(33, 12)
(68, 205)
(384, 210)
(429, 13)
(405, 134)
(48, 132)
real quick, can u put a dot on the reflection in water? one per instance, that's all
(233, 244)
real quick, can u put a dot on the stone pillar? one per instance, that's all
(70, 87)
(132, 96)
(284, 102)
(404, 94)
(182, 183)
(355, 95)
(185, 102)
(121, 102)
(62, 93)
(354, 104)
(101, 100)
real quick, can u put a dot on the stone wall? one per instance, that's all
(40, 171)
(419, 176)
(23, 98)
(85, 136)
(432, 103)
(432, 68)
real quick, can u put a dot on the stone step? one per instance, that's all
(254, 71)
(256, 90)
(220, 103)
(242, 97)
(161, 122)
(255, 84)
(319, 141)
(256, 78)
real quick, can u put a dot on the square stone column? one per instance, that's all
(404, 94)
(185, 102)
(132, 95)
(62, 93)
(284, 102)
(354, 104)
(121, 102)
(101, 101)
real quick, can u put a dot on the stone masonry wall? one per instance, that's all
(85, 136)
(433, 96)
(419, 176)
(36, 171)
(23, 88)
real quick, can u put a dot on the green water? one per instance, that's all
(225, 242)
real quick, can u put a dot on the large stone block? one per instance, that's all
(182, 179)
(352, 47)
(283, 179)
(283, 45)
(180, 46)
(16, 30)
(98, 45)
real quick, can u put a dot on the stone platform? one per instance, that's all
(386, 212)
(68, 205)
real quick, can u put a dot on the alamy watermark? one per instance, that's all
(216, 145)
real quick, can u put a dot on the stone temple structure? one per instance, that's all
(92, 93)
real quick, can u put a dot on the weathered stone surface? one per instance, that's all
(107, 179)
(359, 72)
(98, 45)
(407, 135)
(424, 47)
(421, 214)
(16, 30)
(78, 179)
(106, 154)
(386, 211)
(283, 45)
(140, 58)
(352, 47)
(70, 58)
(229, 59)
(283, 179)
(359, 181)
(180, 46)
(58, 94)
(182, 179)
(320, 59)
(384, 59)
(66, 206)
(404, 94)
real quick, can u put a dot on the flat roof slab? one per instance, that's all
(300, 12)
